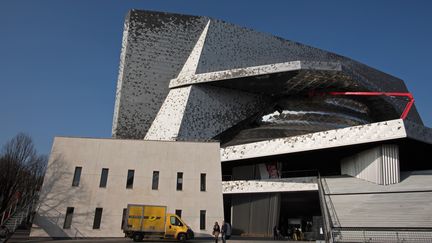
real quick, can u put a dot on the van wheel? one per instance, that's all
(137, 237)
(181, 237)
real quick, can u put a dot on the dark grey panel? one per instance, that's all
(240, 214)
(246, 172)
(255, 214)
(260, 214)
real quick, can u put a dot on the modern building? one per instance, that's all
(286, 135)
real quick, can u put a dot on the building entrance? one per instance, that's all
(287, 215)
(300, 216)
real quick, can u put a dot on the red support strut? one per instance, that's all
(391, 94)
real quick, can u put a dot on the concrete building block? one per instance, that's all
(119, 156)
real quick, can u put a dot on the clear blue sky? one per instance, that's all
(59, 59)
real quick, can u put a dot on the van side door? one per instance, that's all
(173, 225)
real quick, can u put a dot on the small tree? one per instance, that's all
(21, 169)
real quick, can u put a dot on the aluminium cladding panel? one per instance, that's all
(119, 156)
(418, 132)
(202, 112)
(374, 132)
(154, 49)
(230, 46)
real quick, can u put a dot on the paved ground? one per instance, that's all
(237, 240)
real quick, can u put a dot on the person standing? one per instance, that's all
(224, 231)
(216, 231)
(276, 233)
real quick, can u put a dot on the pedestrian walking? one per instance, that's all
(224, 231)
(216, 231)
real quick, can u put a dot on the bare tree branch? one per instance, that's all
(21, 169)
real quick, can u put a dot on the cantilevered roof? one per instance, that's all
(374, 132)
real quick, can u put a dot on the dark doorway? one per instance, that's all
(300, 215)
(227, 208)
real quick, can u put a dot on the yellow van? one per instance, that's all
(148, 221)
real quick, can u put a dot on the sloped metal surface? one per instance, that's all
(163, 51)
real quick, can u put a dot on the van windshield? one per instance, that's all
(175, 221)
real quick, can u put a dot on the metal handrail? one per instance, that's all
(12, 209)
(324, 208)
(19, 211)
(333, 210)
(59, 214)
(381, 234)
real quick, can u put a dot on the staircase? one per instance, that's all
(16, 219)
(20, 235)
(356, 210)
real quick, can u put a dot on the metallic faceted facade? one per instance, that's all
(187, 77)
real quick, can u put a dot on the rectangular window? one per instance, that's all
(203, 182)
(104, 177)
(130, 178)
(202, 219)
(155, 180)
(97, 218)
(123, 217)
(68, 218)
(178, 212)
(77, 176)
(179, 181)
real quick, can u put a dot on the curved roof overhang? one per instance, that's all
(301, 77)
(369, 133)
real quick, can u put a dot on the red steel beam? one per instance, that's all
(391, 94)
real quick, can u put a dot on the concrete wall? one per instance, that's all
(379, 165)
(119, 156)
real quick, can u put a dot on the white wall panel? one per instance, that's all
(379, 165)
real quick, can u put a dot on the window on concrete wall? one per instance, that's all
(178, 212)
(97, 218)
(104, 177)
(202, 219)
(155, 180)
(130, 178)
(77, 176)
(203, 182)
(179, 181)
(123, 217)
(68, 218)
